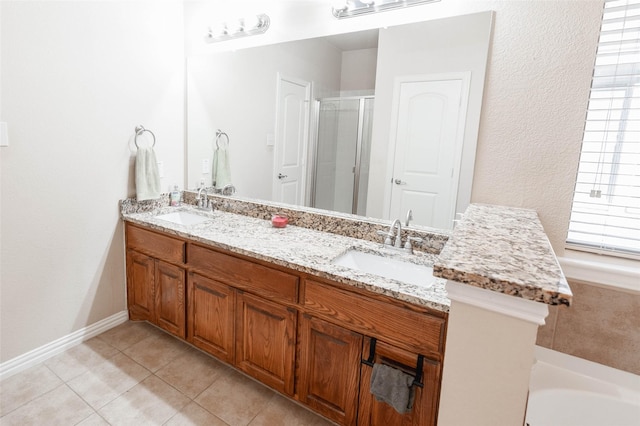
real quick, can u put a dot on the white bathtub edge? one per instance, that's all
(588, 368)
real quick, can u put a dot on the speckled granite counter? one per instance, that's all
(506, 250)
(302, 249)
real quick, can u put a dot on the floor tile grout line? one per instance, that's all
(37, 396)
(189, 400)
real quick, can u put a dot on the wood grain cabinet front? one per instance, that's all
(211, 307)
(140, 286)
(156, 279)
(329, 369)
(156, 292)
(266, 341)
(426, 390)
(170, 298)
(249, 314)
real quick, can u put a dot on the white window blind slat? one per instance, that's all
(605, 215)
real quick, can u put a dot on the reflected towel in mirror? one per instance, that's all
(221, 172)
(147, 175)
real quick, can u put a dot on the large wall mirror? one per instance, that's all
(372, 123)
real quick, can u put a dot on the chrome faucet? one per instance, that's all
(202, 201)
(409, 217)
(398, 225)
(396, 243)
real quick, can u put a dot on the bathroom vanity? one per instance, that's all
(272, 302)
(269, 302)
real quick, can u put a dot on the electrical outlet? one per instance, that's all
(206, 166)
(161, 169)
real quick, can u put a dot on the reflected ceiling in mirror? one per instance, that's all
(298, 132)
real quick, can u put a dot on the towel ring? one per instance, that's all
(139, 131)
(219, 134)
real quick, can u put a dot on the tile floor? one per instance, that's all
(135, 374)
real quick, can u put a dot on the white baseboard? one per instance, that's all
(38, 355)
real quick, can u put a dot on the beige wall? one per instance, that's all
(359, 70)
(601, 326)
(77, 77)
(534, 108)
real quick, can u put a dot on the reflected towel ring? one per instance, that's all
(140, 130)
(219, 134)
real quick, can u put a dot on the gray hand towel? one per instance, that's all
(392, 386)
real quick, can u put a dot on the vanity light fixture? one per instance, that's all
(242, 27)
(352, 8)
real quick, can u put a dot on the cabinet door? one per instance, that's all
(140, 277)
(169, 298)
(265, 341)
(210, 313)
(375, 413)
(330, 369)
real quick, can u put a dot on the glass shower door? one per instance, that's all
(342, 155)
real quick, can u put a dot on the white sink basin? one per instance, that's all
(183, 218)
(387, 267)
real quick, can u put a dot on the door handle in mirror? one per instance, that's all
(399, 182)
(281, 176)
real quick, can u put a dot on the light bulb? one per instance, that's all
(234, 27)
(251, 23)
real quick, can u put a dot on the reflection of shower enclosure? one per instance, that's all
(342, 154)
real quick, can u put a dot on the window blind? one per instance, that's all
(605, 215)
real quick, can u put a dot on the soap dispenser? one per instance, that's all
(175, 196)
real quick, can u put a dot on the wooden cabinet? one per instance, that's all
(303, 336)
(329, 369)
(140, 283)
(425, 403)
(155, 287)
(210, 315)
(404, 336)
(265, 341)
(170, 298)
(261, 319)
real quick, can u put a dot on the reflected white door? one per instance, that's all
(428, 131)
(292, 134)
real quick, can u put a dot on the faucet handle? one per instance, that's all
(408, 246)
(387, 235)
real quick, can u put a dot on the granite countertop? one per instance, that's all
(506, 250)
(300, 249)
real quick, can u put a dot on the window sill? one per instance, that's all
(607, 271)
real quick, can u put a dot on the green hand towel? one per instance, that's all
(147, 175)
(221, 168)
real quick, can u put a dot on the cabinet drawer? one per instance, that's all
(154, 244)
(420, 331)
(243, 274)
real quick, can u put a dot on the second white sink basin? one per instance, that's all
(387, 267)
(183, 218)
